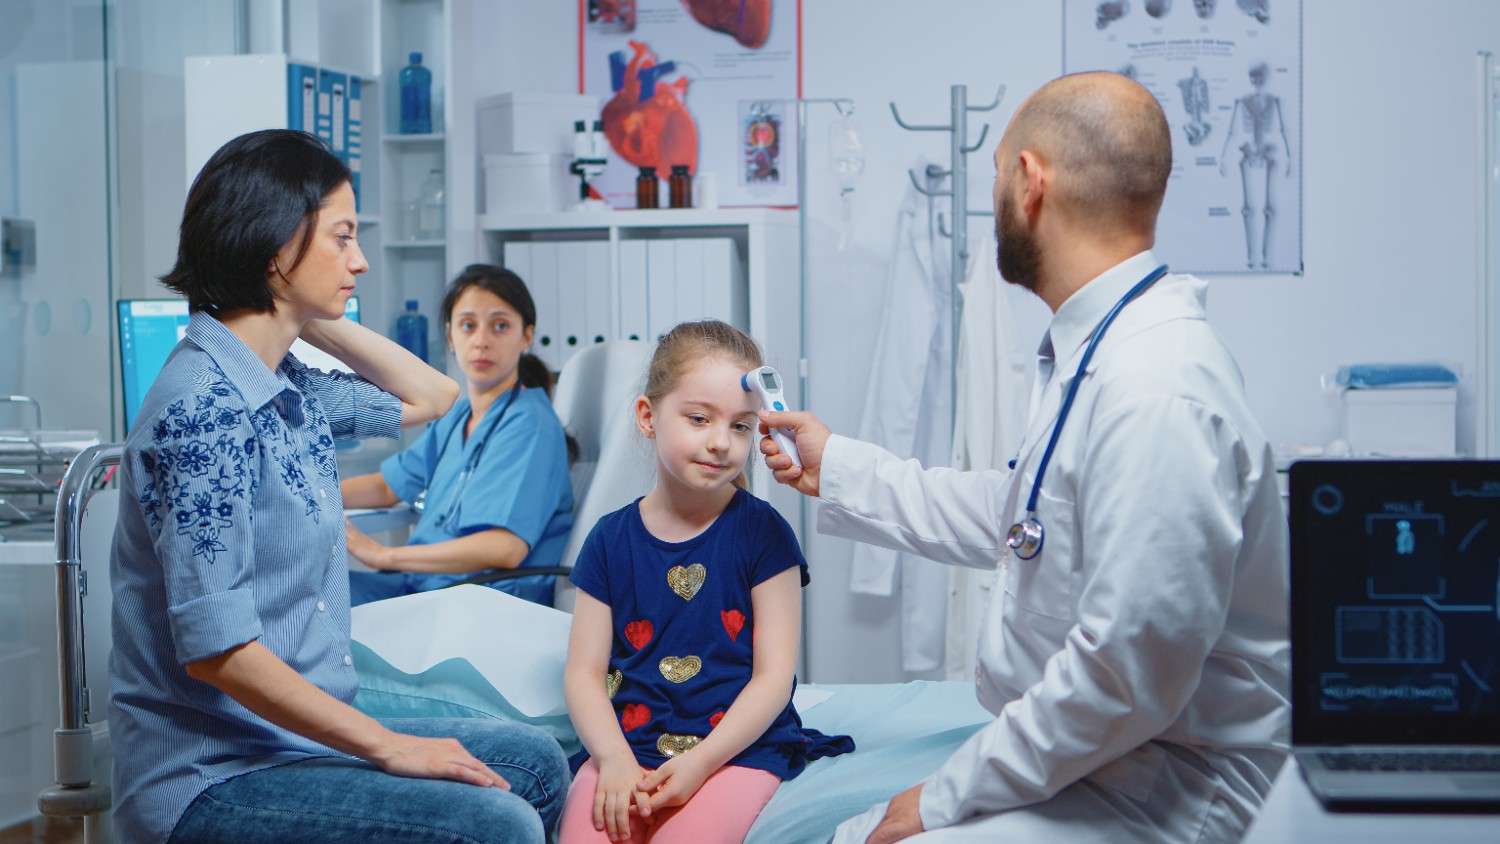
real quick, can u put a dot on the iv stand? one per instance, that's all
(957, 193)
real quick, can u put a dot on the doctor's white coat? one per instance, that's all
(1138, 666)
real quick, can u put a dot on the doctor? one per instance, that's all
(1135, 655)
(492, 473)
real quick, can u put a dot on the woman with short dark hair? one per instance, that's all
(232, 672)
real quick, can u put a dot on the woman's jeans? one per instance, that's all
(328, 799)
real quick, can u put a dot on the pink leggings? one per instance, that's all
(721, 811)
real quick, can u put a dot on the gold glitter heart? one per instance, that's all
(680, 669)
(612, 682)
(687, 581)
(669, 745)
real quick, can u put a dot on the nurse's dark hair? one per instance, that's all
(255, 195)
(691, 342)
(497, 280)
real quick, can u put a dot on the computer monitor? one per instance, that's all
(149, 329)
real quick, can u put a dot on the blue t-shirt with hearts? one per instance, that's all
(683, 626)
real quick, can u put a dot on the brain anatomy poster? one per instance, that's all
(1228, 73)
(706, 84)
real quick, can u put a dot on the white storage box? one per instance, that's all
(521, 122)
(527, 183)
(1406, 422)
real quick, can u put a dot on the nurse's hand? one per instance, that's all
(365, 549)
(811, 436)
(434, 759)
(902, 818)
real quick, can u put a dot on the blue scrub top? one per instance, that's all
(519, 483)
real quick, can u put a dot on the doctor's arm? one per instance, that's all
(424, 392)
(870, 495)
(1161, 514)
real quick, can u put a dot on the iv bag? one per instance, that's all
(846, 155)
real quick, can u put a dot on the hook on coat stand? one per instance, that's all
(932, 192)
(999, 95)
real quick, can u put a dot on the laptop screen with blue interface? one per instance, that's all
(149, 329)
(1396, 601)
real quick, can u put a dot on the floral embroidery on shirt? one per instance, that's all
(199, 473)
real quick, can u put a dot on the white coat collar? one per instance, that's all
(1080, 315)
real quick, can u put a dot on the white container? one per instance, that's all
(525, 122)
(1416, 422)
(527, 183)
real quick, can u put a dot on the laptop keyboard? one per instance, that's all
(1440, 762)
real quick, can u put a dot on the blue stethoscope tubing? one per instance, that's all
(473, 461)
(1026, 537)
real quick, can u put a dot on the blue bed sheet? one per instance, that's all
(903, 733)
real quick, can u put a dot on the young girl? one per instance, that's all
(684, 645)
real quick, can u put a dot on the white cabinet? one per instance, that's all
(644, 271)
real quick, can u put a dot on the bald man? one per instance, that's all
(1135, 652)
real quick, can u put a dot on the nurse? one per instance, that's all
(492, 473)
(232, 676)
(1135, 651)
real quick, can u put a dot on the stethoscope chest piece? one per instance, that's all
(1026, 537)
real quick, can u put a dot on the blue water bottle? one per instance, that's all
(416, 98)
(411, 330)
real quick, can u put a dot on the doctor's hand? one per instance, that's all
(810, 435)
(434, 759)
(902, 818)
(365, 549)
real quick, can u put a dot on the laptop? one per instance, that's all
(1395, 588)
(149, 329)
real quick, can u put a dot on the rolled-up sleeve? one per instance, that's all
(356, 408)
(200, 475)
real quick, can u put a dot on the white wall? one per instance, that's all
(1389, 180)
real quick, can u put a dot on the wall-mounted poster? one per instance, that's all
(1229, 75)
(705, 84)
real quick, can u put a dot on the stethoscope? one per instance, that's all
(1027, 536)
(455, 503)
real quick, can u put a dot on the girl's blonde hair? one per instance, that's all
(690, 342)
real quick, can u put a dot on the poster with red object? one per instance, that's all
(707, 84)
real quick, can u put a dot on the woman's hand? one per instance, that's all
(676, 782)
(618, 778)
(365, 549)
(435, 758)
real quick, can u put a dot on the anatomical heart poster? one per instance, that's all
(1228, 73)
(705, 84)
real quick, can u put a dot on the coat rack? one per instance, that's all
(957, 193)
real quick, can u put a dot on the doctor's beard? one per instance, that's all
(1016, 254)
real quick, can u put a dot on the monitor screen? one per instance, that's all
(1395, 598)
(149, 329)
(768, 378)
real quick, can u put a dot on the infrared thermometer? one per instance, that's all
(766, 383)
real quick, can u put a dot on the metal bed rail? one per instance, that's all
(75, 794)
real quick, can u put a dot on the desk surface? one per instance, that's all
(1292, 814)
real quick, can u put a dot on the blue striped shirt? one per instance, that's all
(230, 530)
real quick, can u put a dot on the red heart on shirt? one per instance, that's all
(714, 719)
(639, 633)
(634, 715)
(734, 622)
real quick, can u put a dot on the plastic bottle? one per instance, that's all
(411, 330)
(647, 192)
(430, 207)
(416, 98)
(680, 187)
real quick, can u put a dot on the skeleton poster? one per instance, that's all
(1228, 73)
(702, 84)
